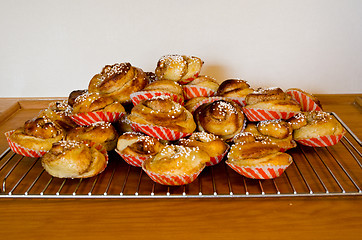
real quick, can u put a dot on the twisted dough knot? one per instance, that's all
(222, 118)
(90, 102)
(276, 128)
(58, 112)
(41, 128)
(135, 143)
(118, 81)
(163, 112)
(234, 88)
(178, 67)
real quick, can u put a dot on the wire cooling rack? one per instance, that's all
(315, 172)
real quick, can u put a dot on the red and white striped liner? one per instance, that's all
(307, 104)
(239, 100)
(173, 180)
(158, 131)
(135, 161)
(137, 97)
(27, 152)
(185, 81)
(207, 100)
(217, 159)
(86, 119)
(259, 172)
(191, 91)
(323, 141)
(255, 114)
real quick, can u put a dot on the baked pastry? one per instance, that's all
(222, 118)
(211, 144)
(101, 132)
(74, 94)
(322, 129)
(277, 132)
(59, 113)
(259, 160)
(202, 86)
(72, 159)
(162, 118)
(118, 81)
(176, 165)
(37, 134)
(269, 104)
(167, 88)
(179, 68)
(235, 89)
(135, 147)
(89, 108)
(307, 101)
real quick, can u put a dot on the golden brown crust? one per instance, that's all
(277, 132)
(163, 112)
(319, 124)
(222, 118)
(208, 142)
(168, 86)
(177, 160)
(256, 154)
(287, 105)
(58, 112)
(74, 94)
(100, 132)
(234, 88)
(190, 104)
(178, 67)
(71, 159)
(297, 121)
(38, 134)
(205, 81)
(263, 95)
(138, 144)
(118, 81)
(92, 102)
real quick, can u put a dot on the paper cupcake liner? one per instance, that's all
(207, 100)
(185, 81)
(307, 104)
(259, 172)
(217, 159)
(197, 91)
(159, 132)
(27, 152)
(86, 119)
(135, 161)
(239, 100)
(323, 141)
(137, 97)
(255, 114)
(173, 180)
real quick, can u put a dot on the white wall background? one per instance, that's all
(49, 48)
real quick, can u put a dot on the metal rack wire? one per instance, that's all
(316, 172)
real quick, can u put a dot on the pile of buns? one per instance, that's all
(173, 123)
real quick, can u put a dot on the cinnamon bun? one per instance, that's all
(179, 68)
(101, 132)
(38, 134)
(223, 118)
(118, 81)
(163, 112)
(72, 159)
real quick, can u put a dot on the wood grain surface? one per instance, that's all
(249, 218)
